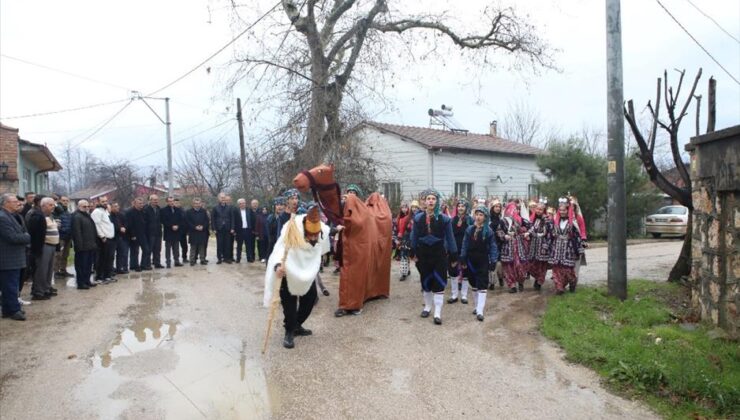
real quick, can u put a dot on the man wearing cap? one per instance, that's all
(295, 262)
(432, 242)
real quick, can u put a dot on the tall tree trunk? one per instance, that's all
(682, 267)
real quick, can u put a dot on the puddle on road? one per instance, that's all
(158, 368)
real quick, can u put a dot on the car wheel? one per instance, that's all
(656, 235)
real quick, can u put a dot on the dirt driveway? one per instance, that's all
(185, 343)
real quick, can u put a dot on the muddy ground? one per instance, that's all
(185, 343)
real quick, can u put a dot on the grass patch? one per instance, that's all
(641, 348)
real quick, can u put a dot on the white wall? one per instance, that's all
(417, 168)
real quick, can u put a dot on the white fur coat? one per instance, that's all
(301, 264)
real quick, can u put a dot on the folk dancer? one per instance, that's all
(295, 262)
(496, 216)
(478, 254)
(401, 239)
(567, 248)
(431, 243)
(513, 234)
(540, 234)
(458, 277)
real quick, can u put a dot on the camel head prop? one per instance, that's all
(320, 181)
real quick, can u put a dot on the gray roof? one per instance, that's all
(433, 138)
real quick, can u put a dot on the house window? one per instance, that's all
(392, 193)
(464, 189)
(533, 192)
(26, 180)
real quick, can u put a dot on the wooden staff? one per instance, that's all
(293, 239)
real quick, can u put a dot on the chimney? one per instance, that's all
(493, 128)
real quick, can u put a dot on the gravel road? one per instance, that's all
(185, 343)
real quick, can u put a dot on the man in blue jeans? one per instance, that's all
(13, 242)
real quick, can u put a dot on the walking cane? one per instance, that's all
(293, 238)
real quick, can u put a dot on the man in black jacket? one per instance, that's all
(13, 242)
(222, 220)
(84, 236)
(197, 223)
(136, 234)
(172, 222)
(154, 229)
(120, 238)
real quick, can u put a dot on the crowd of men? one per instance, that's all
(37, 233)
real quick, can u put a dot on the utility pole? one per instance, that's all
(167, 124)
(243, 160)
(616, 207)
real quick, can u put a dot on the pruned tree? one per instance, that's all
(522, 124)
(208, 167)
(333, 49)
(675, 113)
(121, 175)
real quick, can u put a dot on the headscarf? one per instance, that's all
(291, 193)
(426, 193)
(485, 228)
(465, 203)
(511, 211)
(571, 215)
(278, 201)
(356, 189)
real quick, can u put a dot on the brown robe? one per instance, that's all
(366, 247)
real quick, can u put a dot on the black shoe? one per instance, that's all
(168, 265)
(288, 340)
(92, 285)
(138, 270)
(512, 290)
(501, 282)
(237, 261)
(451, 300)
(325, 292)
(340, 313)
(16, 316)
(40, 297)
(321, 269)
(464, 301)
(53, 290)
(437, 321)
(480, 317)
(177, 264)
(521, 287)
(336, 271)
(204, 263)
(300, 331)
(475, 312)
(83, 287)
(51, 293)
(147, 268)
(59, 275)
(159, 266)
(402, 278)
(537, 286)
(425, 314)
(229, 261)
(123, 272)
(217, 262)
(192, 264)
(572, 288)
(491, 286)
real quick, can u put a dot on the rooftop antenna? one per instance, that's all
(444, 118)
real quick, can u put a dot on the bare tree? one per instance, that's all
(522, 124)
(120, 175)
(647, 152)
(331, 49)
(208, 167)
(77, 164)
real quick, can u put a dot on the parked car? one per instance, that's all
(669, 220)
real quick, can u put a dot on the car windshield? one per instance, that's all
(672, 210)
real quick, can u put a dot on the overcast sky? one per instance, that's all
(144, 45)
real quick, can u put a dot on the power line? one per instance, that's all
(40, 114)
(697, 42)
(89, 79)
(183, 139)
(715, 22)
(106, 122)
(186, 74)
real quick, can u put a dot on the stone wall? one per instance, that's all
(715, 175)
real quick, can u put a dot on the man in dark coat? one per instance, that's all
(13, 242)
(137, 239)
(197, 223)
(154, 229)
(172, 222)
(222, 222)
(84, 237)
(28, 205)
(245, 226)
(120, 238)
(183, 233)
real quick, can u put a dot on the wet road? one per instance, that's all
(185, 343)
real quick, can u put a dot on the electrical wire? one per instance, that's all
(89, 79)
(183, 139)
(715, 22)
(80, 108)
(106, 122)
(697, 42)
(189, 72)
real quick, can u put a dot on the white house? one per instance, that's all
(456, 163)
